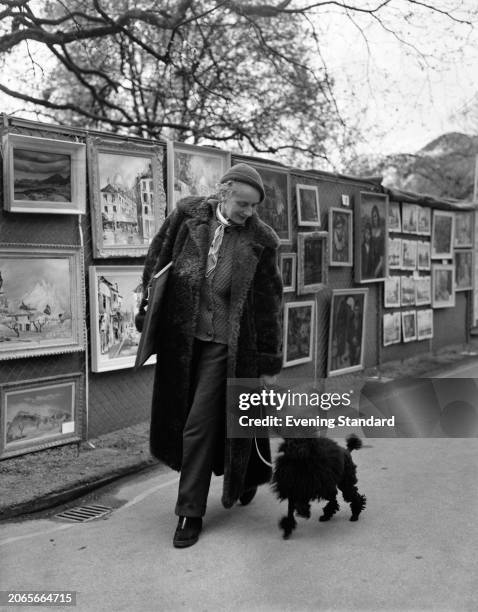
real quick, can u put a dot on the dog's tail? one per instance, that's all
(353, 442)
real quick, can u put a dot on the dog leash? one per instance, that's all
(260, 455)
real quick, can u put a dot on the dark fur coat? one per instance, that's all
(255, 336)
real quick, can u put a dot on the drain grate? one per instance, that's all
(82, 514)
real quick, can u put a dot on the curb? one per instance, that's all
(69, 493)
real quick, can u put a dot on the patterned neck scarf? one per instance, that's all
(216, 241)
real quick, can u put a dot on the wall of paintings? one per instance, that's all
(367, 278)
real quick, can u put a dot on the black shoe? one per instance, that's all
(187, 532)
(248, 496)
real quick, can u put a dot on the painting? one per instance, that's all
(407, 291)
(312, 257)
(308, 209)
(409, 254)
(423, 255)
(463, 229)
(194, 170)
(394, 253)
(425, 324)
(391, 328)
(371, 238)
(442, 234)
(463, 269)
(423, 287)
(43, 175)
(443, 285)
(409, 218)
(424, 220)
(392, 292)
(275, 210)
(394, 219)
(299, 330)
(288, 268)
(347, 331)
(38, 414)
(128, 202)
(115, 296)
(409, 325)
(345, 200)
(341, 241)
(41, 300)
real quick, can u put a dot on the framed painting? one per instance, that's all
(423, 255)
(409, 325)
(312, 257)
(424, 220)
(128, 202)
(394, 253)
(423, 288)
(443, 285)
(115, 296)
(407, 291)
(409, 218)
(394, 218)
(392, 328)
(41, 300)
(288, 268)
(345, 198)
(275, 210)
(43, 175)
(409, 254)
(463, 229)
(443, 232)
(194, 170)
(371, 238)
(341, 240)
(347, 331)
(392, 292)
(39, 414)
(308, 208)
(299, 331)
(425, 324)
(463, 269)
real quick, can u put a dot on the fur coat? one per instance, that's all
(255, 332)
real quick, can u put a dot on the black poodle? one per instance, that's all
(311, 469)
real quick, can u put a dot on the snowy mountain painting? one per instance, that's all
(41, 176)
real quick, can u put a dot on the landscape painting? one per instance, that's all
(41, 176)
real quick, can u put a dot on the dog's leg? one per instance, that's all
(356, 500)
(288, 522)
(329, 509)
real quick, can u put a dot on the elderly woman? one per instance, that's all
(220, 318)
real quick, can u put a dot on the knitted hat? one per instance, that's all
(243, 173)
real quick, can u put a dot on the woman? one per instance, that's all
(220, 318)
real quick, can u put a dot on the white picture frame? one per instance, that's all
(308, 206)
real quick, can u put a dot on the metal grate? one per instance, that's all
(82, 514)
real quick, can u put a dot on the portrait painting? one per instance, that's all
(394, 218)
(423, 255)
(392, 292)
(275, 210)
(442, 234)
(128, 198)
(38, 414)
(371, 238)
(409, 325)
(407, 291)
(341, 232)
(424, 220)
(463, 229)
(41, 301)
(288, 267)
(394, 253)
(409, 254)
(299, 330)
(443, 285)
(409, 218)
(43, 175)
(194, 170)
(347, 331)
(391, 328)
(308, 209)
(423, 287)
(425, 324)
(311, 259)
(463, 269)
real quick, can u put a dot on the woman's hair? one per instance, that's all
(224, 190)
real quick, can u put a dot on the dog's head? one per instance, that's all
(302, 449)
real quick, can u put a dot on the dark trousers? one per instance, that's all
(204, 424)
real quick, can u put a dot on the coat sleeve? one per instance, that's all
(268, 312)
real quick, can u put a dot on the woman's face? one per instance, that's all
(241, 203)
(375, 217)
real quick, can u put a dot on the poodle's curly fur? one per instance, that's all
(311, 469)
